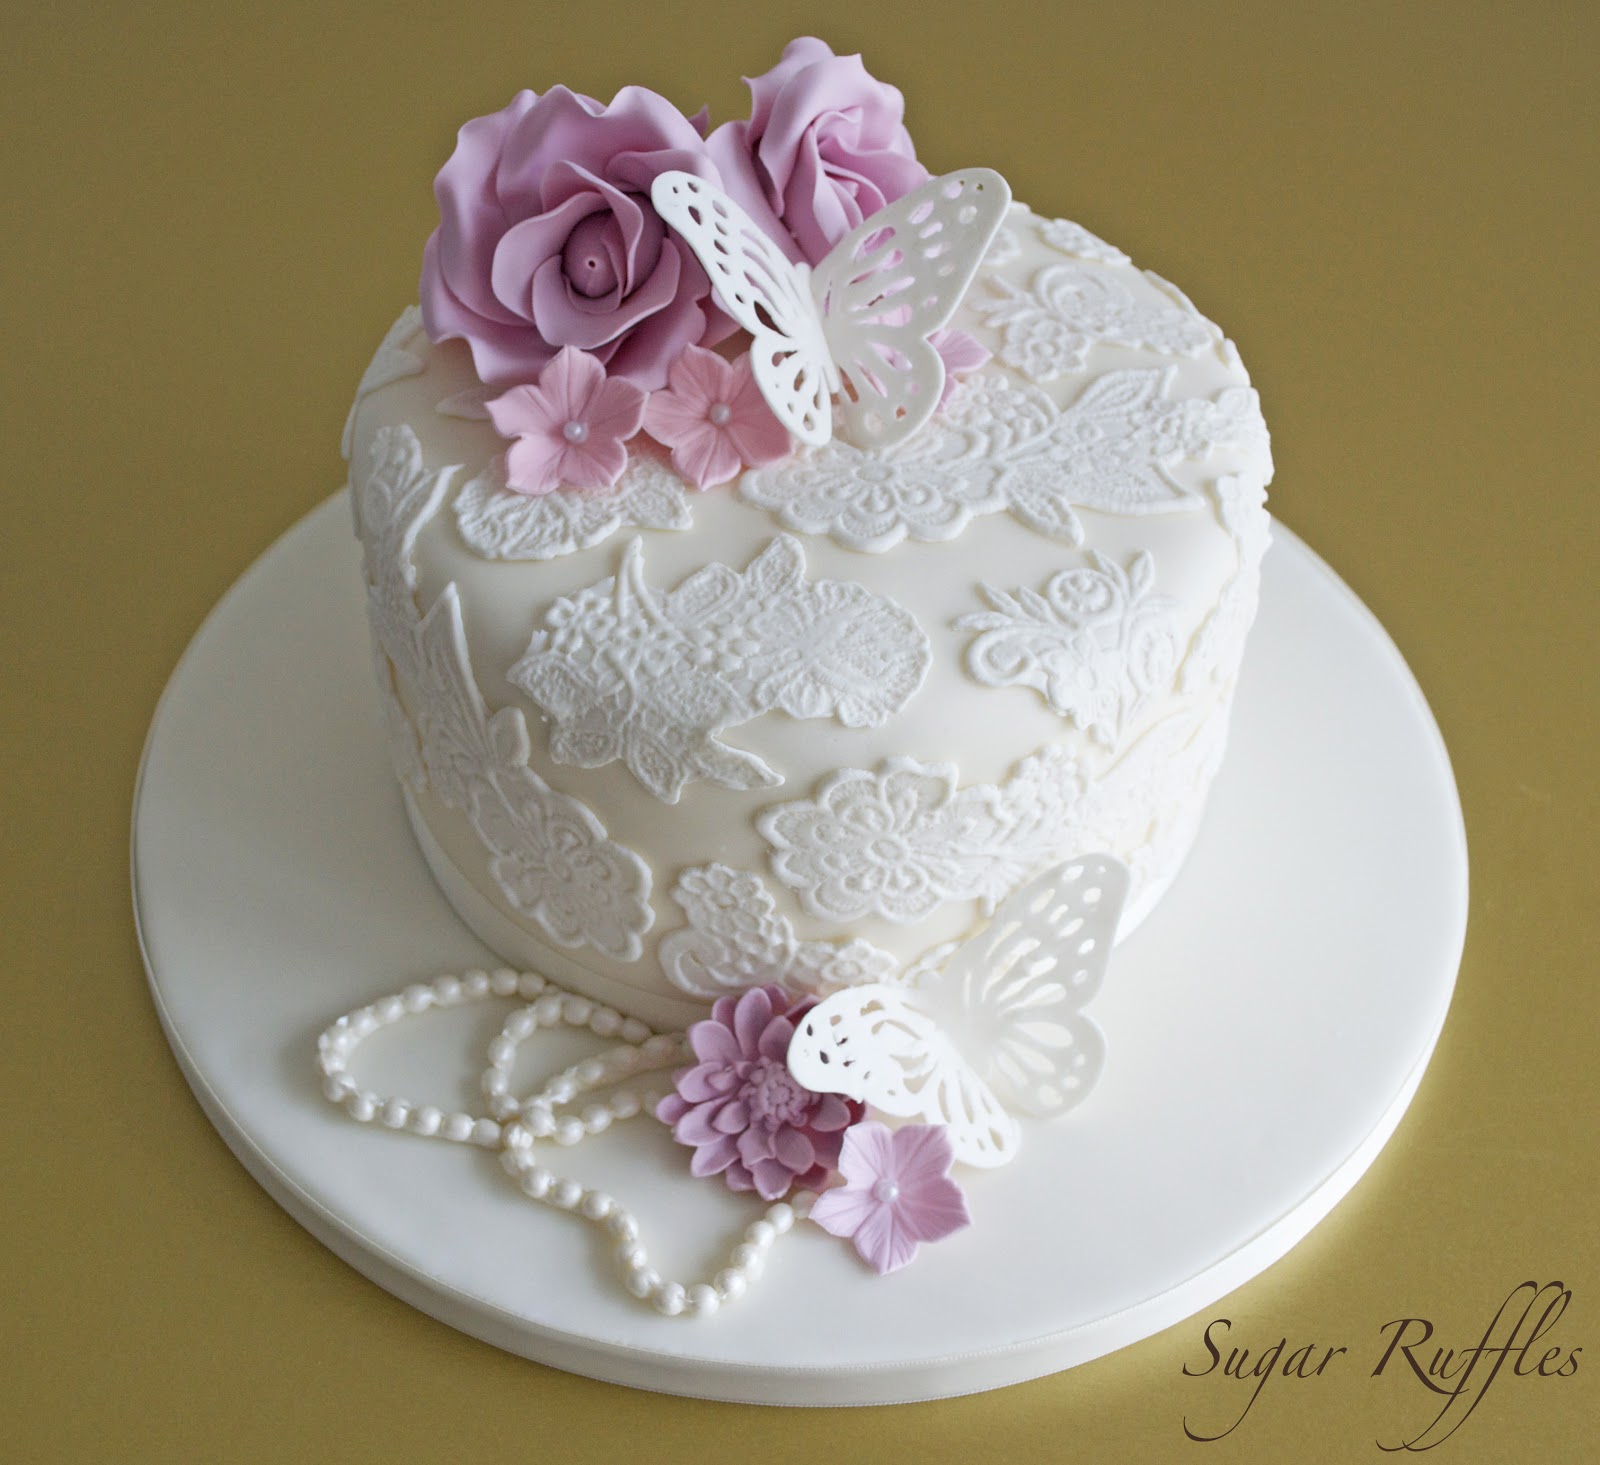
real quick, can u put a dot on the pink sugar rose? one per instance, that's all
(714, 418)
(828, 144)
(570, 429)
(547, 237)
(740, 1108)
(897, 1193)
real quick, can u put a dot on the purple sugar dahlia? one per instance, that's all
(742, 1111)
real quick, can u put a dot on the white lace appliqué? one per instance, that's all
(1065, 237)
(1097, 644)
(626, 671)
(1048, 328)
(902, 841)
(503, 525)
(998, 1031)
(389, 363)
(1001, 444)
(548, 853)
(736, 938)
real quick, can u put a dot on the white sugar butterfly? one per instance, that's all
(998, 1030)
(858, 324)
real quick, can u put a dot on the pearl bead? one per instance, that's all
(426, 1120)
(486, 1132)
(634, 1031)
(547, 1010)
(567, 1194)
(521, 1024)
(642, 1281)
(391, 1009)
(576, 1010)
(335, 1087)
(417, 997)
(721, 414)
(536, 1181)
(703, 1300)
(596, 1118)
(569, 1131)
(361, 1108)
(621, 1225)
(595, 1205)
(590, 1072)
(447, 990)
(606, 1022)
(633, 1257)
(501, 1051)
(529, 985)
(760, 1233)
(576, 432)
(886, 1191)
(395, 1113)
(731, 1283)
(458, 1127)
(476, 984)
(503, 982)
(625, 1103)
(781, 1217)
(746, 1257)
(671, 1299)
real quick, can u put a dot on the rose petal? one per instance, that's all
(842, 1209)
(867, 1154)
(714, 1158)
(793, 1149)
(773, 1179)
(750, 1018)
(883, 1241)
(733, 1117)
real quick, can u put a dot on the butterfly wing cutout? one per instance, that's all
(768, 295)
(891, 282)
(999, 1030)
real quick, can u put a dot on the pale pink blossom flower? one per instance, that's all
(746, 1117)
(897, 1192)
(571, 429)
(713, 417)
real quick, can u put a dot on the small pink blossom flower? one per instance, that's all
(569, 429)
(960, 353)
(746, 1117)
(897, 1192)
(712, 415)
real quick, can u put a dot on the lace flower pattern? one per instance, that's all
(1065, 237)
(1097, 644)
(1049, 327)
(515, 526)
(745, 1116)
(736, 938)
(1006, 445)
(626, 671)
(548, 853)
(899, 842)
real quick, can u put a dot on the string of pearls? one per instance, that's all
(515, 1127)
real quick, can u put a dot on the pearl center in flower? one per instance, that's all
(886, 1191)
(576, 432)
(721, 414)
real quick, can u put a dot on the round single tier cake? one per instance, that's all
(810, 724)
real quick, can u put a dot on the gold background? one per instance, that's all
(212, 212)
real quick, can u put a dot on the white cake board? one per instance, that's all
(1266, 1028)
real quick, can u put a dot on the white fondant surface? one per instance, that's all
(1266, 1027)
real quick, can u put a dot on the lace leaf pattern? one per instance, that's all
(1096, 643)
(736, 938)
(629, 672)
(502, 525)
(389, 363)
(1065, 237)
(902, 841)
(549, 854)
(397, 497)
(1048, 327)
(1002, 444)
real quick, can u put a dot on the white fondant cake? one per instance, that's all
(805, 726)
